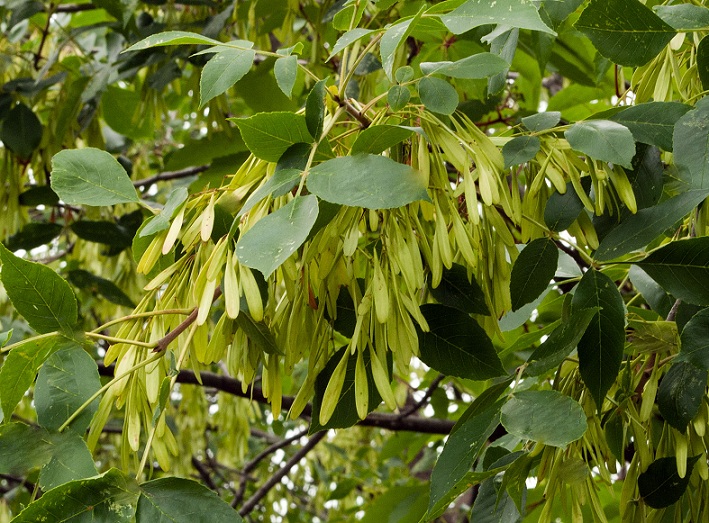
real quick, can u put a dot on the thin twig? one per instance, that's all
(170, 175)
(278, 476)
(429, 392)
(251, 465)
(203, 473)
(171, 336)
(673, 311)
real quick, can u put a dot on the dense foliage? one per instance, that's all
(354, 260)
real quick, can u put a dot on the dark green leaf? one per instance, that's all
(641, 228)
(681, 268)
(646, 178)
(258, 333)
(456, 290)
(33, 235)
(684, 17)
(277, 185)
(560, 342)
(272, 239)
(104, 232)
(695, 341)
(532, 271)
(225, 68)
(404, 504)
(110, 497)
(542, 121)
(475, 67)
(268, 135)
(600, 349)
(660, 485)
(286, 69)
(603, 140)
(655, 296)
(397, 97)
(456, 345)
(614, 431)
(21, 131)
(653, 122)
(378, 138)
(680, 394)
(703, 62)
(22, 448)
(39, 195)
(345, 413)
(437, 95)
(624, 31)
(172, 38)
(179, 500)
(460, 452)
(65, 381)
(510, 13)
(535, 415)
(315, 109)
(91, 177)
(691, 147)
(520, 150)
(367, 180)
(493, 505)
(70, 459)
(561, 210)
(43, 297)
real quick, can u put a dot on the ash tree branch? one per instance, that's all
(170, 175)
(264, 489)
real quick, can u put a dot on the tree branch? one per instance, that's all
(170, 175)
(380, 420)
(429, 392)
(278, 476)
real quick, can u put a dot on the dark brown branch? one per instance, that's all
(429, 392)
(380, 420)
(203, 473)
(251, 465)
(74, 8)
(171, 336)
(352, 111)
(170, 175)
(278, 476)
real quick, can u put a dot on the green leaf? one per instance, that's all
(65, 381)
(560, 342)
(315, 109)
(694, 347)
(437, 95)
(95, 284)
(460, 452)
(270, 242)
(532, 271)
(475, 67)
(161, 221)
(600, 349)
(22, 448)
(397, 97)
(641, 228)
(624, 31)
(39, 195)
(225, 68)
(286, 69)
(172, 38)
(258, 333)
(109, 497)
(493, 504)
(681, 268)
(179, 500)
(345, 413)
(404, 74)
(268, 135)
(680, 394)
(392, 38)
(542, 121)
(105, 232)
(603, 140)
(70, 460)
(660, 485)
(535, 414)
(43, 297)
(367, 180)
(277, 185)
(691, 147)
(653, 122)
(20, 369)
(33, 235)
(456, 345)
(511, 13)
(561, 210)
(404, 504)
(21, 131)
(378, 138)
(91, 177)
(520, 150)
(703, 62)
(349, 38)
(684, 17)
(457, 290)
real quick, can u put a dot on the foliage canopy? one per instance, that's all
(471, 236)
